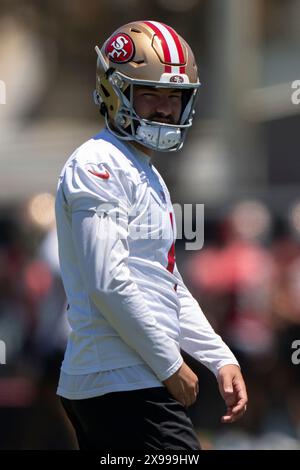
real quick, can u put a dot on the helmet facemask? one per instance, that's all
(127, 125)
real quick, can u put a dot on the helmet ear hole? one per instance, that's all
(105, 91)
(103, 109)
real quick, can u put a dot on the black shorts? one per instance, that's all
(147, 419)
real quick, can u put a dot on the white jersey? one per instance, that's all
(128, 305)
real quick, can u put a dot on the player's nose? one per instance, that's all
(163, 106)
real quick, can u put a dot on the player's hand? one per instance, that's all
(233, 389)
(183, 385)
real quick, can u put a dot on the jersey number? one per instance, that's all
(171, 252)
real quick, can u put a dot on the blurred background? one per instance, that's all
(240, 160)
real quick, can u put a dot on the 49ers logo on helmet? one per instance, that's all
(120, 48)
(176, 79)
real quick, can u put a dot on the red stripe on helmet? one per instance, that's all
(178, 46)
(164, 44)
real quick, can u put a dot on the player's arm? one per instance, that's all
(199, 339)
(99, 212)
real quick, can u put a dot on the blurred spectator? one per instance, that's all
(234, 282)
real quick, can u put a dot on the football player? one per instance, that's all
(123, 382)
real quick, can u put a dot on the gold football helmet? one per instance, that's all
(146, 53)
